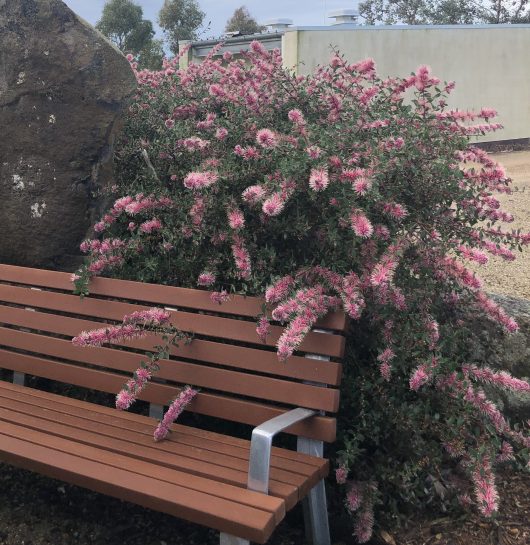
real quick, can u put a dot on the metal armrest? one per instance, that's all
(261, 445)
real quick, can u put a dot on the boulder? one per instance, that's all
(63, 88)
(506, 352)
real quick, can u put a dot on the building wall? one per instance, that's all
(490, 64)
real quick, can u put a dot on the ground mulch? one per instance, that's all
(35, 510)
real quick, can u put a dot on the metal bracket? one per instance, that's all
(261, 446)
(19, 378)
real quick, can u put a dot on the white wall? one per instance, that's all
(490, 64)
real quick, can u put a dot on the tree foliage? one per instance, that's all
(180, 20)
(152, 55)
(444, 12)
(123, 23)
(241, 21)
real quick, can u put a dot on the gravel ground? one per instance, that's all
(512, 278)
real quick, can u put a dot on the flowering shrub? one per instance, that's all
(136, 325)
(333, 192)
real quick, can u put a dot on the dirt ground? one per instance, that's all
(512, 278)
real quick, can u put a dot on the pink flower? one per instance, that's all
(199, 180)
(395, 211)
(194, 143)
(175, 410)
(496, 313)
(280, 290)
(221, 133)
(484, 487)
(501, 379)
(100, 226)
(236, 220)
(153, 316)
(266, 138)
(341, 474)
(253, 194)
(150, 226)
(354, 497)
(259, 48)
(273, 205)
(386, 356)
(263, 328)
(110, 334)
(219, 297)
(419, 378)
(361, 225)
(319, 179)
(169, 123)
(206, 279)
(487, 113)
(248, 153)
(124, 400)
(296, 116)
(362, 185)
(364, 525)
(241, 258)
(506, 453)
(314, 152)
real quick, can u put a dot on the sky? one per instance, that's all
(302, 12)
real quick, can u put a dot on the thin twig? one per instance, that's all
(150, 165)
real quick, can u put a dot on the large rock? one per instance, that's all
(63, 88)
(508, 352)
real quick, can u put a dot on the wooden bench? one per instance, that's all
(241, 488)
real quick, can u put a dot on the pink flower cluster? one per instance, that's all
(132, 327)
(501, 379)
(302, 312)
(200, 180)
(241, 258)
(319, 179)
(263, 328)
(206, 279)
(485, 489)
(175, 410)
(267, 139)
(496, 312)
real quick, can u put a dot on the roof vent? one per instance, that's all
(277, 25)
(344, 16)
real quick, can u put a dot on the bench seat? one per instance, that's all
(242, 488)
(197, 475)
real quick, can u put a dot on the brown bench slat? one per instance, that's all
(152, 293)
(215, 326)
(139, 433)
(288, 487)
(71, 462)
(247, 412)
(144, 424)
(206, 482)
(289, 480)
(282, 391)
(297, 367)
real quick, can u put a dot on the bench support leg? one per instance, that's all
(19, 378)
(315, 504)
(227, 539)
(156, 411)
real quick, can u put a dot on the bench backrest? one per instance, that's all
(239, 376)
